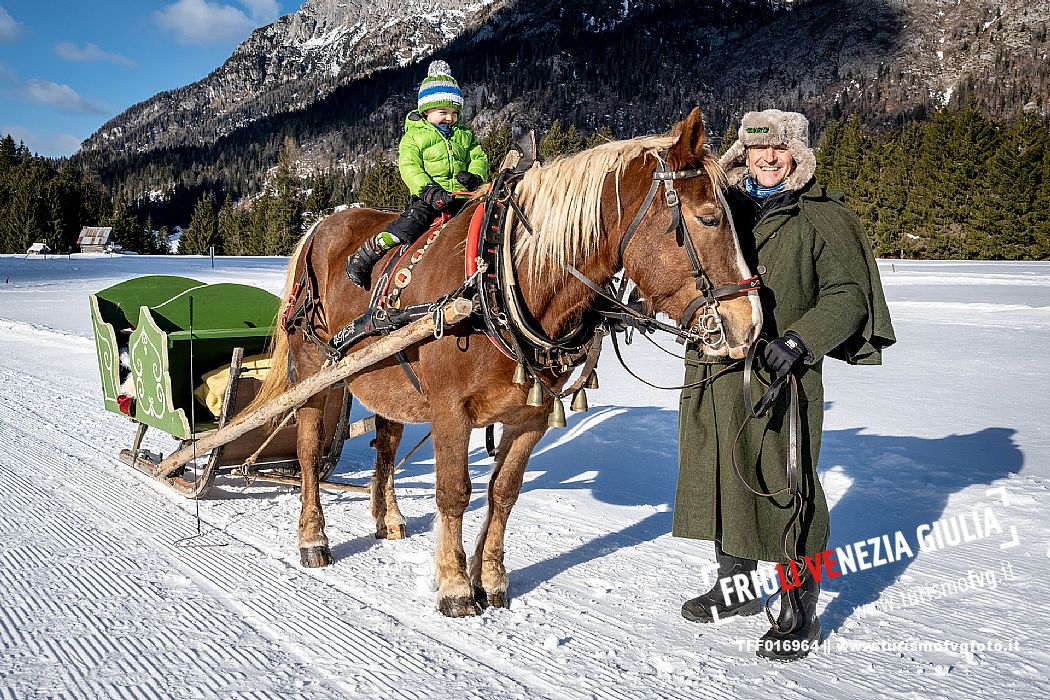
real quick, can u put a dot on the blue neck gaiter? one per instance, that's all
(445, 129)
(758, 191)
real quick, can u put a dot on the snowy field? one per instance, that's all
(97, 602)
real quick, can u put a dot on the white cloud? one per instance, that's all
(57, 95)
(45, 92)
(90, 52)
(263, 10)
(202, 22)
(51, 145)
(9, 28)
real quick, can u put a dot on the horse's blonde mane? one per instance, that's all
(563, 202)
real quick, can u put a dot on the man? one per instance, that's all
(821, 295)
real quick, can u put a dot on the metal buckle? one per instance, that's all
(671, 195)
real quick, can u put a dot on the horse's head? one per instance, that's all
(683, 253)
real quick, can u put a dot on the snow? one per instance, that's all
(99, 602)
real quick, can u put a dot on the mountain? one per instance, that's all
(338, 75)
(287, 66)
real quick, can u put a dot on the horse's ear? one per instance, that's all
(688, 150)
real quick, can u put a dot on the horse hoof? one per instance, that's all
(315, 557)
(458, 607)
(496, 599)
(397, 532)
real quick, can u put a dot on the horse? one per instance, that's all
(579, 209)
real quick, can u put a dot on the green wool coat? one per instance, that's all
(820, 280)
(425, 157)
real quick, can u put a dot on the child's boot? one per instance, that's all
(359, 265)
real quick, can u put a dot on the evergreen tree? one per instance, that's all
(602, 135)
(382, 185)
(1005, 204)
(202, 231)
(127, 233)
(230, 230)
(889, 238)
(319, 202)
(7, 153)
(285, 222)
(1040, 215)
(827, 153)
(255, 236)
(164, 240)
(496, 145)
(552, 144)
(728, 138)
(573, 142)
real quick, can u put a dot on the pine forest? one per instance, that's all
(954, 185)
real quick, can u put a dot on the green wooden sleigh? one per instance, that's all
(172, 332)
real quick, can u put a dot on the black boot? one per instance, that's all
(359, 265)
(797, 629)
(704, 608)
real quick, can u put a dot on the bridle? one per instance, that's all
(510, 326)
(708, 330)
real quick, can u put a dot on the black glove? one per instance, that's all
(469, 180)
(436, 196)
(622, 323)
(785, 353)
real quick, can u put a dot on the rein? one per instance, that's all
(792, 489)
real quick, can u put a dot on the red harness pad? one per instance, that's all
(474, 241)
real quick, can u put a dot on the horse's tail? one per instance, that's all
(277, 380)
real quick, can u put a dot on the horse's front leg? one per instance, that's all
(487, 573)
(451, 438)
(390, 523)
(313, 544)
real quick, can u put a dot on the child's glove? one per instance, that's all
(436, 196)
(469, 180)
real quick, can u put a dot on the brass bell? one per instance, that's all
(579, 401)
(592, 381)
(519, 374)
(557, 416)
(535, 395)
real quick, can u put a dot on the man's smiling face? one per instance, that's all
(769, 165)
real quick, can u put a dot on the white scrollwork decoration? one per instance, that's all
(144, 351)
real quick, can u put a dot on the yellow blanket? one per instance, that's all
(213, 389)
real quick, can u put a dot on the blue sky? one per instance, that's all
(67, 66)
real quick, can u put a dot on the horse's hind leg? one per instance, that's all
(313, 544)
(488, 576)
(451, 437)
(390, 524)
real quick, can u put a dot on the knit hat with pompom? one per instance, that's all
(439, 89)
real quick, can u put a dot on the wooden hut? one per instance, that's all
(95, 239)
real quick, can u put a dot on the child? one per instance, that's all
(437, 155)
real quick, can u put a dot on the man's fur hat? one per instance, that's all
(772, 128)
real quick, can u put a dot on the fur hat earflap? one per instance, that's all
(439, 89)
(772, 127)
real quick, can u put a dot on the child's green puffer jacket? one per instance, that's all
(425, 157)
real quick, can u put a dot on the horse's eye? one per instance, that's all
(712, 220)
